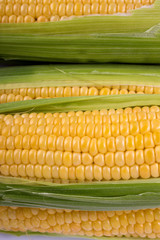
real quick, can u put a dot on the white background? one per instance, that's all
(30, 237)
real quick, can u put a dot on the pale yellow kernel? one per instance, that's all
(24, 9)
(125, 172)
(72, 173)
(35, 221)
(42, 19)
(89, 172)
(157, 153)
(62, 9)
(80, 173)
(4, 169)
(2, 156)
(154, 170)
(124, 129)
(4, 96)
(115, 223)
(87, 159)
(84, 90)
(106, 130)
(78, 9)
(148, 140)
(58, 158)
(17, 156)
(50, 158)
(47, 172)
(28, 19)
(130, 143)
(67, 159)
(112, 9)
(76, 159)
(30, 170)
(106, 173)
(10, 142)
(86, 9)
(85, 142)
(115, 129)
(55, 172)
(120, 143)
(145, 171)
(38, 171)
(99, 159)
(139, 143)
(25, 156)
(115, 173)
(93, 150)
(111, 146)
(76, 144)
(149, 156)
(41, 156)
(22, 170)
(130, 158)
(119, 159)
(93, 91)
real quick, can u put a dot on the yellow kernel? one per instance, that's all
(154, 170)
(115, 173)
(125, 173)
(119, 159)
(4, 169)
(130, 158)
(89, 172)
(47, 172)
(30, 170)
(80, 173)
(22, 170)
(76, 159)
(130, 143)
(87, 159)
(144, 171)
(38, 171)
(106, 173)
(149, 156)
(93, 150)
(120, 143)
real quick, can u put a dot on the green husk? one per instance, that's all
(79, 75)
(112, 195)
(66, 104)
(125, 39)
(99, 48)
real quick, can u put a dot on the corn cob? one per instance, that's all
(97, 145)
(135, 223)
(12, 95)
(27, 11)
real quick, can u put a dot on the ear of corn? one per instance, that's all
(143, 19)
(34, 82)
(74, 41)
(44, 11)
(141, 223)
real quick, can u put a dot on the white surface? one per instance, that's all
(10, 237)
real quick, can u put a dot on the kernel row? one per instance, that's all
(148, 156)
(82, 144)
(47, 2)
(127, 111)
(11, 95)
(81, 173)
